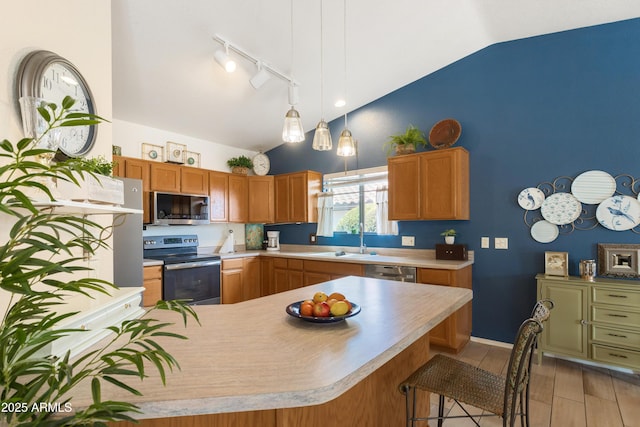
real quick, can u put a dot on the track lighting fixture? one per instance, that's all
(222, 58)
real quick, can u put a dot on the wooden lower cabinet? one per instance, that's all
(455, 331)
(287, 274)
(152, 282)
(240, 279)
(322, 271)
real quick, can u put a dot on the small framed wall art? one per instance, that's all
(175, 152)
(152, 152)
(192, 159)
(619, 260)
(556, 263)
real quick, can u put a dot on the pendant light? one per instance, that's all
(322, 136)
(292, 130)
(346, 144)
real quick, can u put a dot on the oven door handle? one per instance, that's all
(186, 265)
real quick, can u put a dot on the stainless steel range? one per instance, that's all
(187, 274)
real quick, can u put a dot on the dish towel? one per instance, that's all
(229, 244)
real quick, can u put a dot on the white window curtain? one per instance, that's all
(383, 225)
(325, 215)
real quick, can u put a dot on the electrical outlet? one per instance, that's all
(501, 243)
(313, 239)
(408, 241)
(484, 243)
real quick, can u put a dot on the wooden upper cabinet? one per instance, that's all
(444, 181)
(166, 177)
(194, 180)
(432, 185)
(404, 187)
(296, 196)
(118, 166)
(238, 198)
(261, 199)
(137, 169)
(219, 196)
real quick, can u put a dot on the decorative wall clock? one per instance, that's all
(44, 74)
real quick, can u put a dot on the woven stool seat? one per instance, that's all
(460, 381)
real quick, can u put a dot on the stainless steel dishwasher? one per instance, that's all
(391, 272)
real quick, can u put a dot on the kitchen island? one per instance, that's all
(252, 364)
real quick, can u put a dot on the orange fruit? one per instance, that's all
(348, 304)
(319, 297)
(306, 308)
(337, 296)
(340, 308)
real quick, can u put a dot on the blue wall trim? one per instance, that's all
(531, 110)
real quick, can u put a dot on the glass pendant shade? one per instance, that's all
(346, 144)
(322, 137)
(292, 130)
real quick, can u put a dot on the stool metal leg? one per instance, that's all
(440, 410)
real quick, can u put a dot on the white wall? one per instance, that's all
(130, 136)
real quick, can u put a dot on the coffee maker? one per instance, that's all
(273, 240)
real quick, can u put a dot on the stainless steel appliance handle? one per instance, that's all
(186, 265)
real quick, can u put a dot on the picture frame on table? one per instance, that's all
(556, 263)
(619, 260)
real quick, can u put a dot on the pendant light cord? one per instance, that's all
(345, 63)
(321, 62)
(291, 35)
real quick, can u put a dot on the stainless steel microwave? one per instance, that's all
(179, 209)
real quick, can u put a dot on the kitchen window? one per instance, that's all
(352, 198)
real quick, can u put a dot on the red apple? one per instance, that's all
(321, 309)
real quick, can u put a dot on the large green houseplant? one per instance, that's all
(40, 266)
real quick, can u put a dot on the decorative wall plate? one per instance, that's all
(152, 152)
(593, 187)
(619, 213)
(544, 232)
(445, 133)
(192, 159)
(561, 208)
(531, 198)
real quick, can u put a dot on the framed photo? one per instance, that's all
(152, 152)
(619, 260)
(192, 159)
(556, 263)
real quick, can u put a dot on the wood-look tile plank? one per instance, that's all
(539, 413)
(628, 396)
(541, 388)
(568, 382)
(496, 360)
(598, 383)
(602, 412)
(567, 413)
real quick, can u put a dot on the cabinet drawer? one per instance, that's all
(336, 268)
(618, 317)
(616, 356)
(280, 263)
(232, 264)
(615, 296)
(154, 272)
(434, 276)
(295, 264)
(615, 336)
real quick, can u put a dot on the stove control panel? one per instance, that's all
(161, 242)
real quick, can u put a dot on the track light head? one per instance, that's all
(260, 78)
(222, 58)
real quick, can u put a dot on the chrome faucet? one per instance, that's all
(363, 247)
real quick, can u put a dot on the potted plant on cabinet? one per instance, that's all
(42, 265)
(449, 236)
(407, 142)
(240, 165)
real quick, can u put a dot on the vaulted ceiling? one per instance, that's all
(165, 76)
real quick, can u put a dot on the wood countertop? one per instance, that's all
(252, 355)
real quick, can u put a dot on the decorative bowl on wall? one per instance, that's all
(445, 133)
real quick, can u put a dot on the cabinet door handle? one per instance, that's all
(621, 356)
(584, 322)
(617, 335)
(617, 296)
(617, 315)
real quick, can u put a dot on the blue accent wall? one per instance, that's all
(531, 110)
